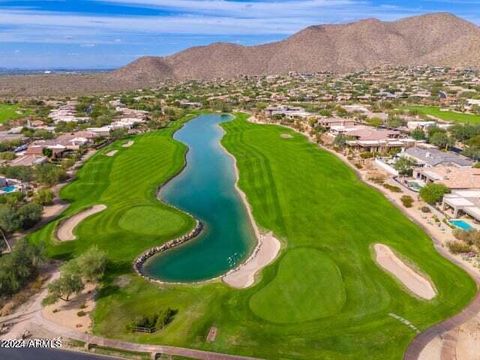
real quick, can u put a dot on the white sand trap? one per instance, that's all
(65, 231)
(412, 280)
(265, 252)
(128, 144)
(112, 153)
(286, 136)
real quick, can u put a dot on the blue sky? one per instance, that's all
(110, 33)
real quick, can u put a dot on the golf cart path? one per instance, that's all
(32, 313)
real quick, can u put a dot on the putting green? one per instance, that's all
(308, 286)
(151, 220)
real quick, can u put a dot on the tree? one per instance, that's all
(433, 193)
(462, 133)
(49, 174)
(440, 139)
(9, 219)
(47, 152)
(67, 284)
(432, 130)
(118, 134)
(340, 140)
(91, 264)
(23, 173)
(404, 166)
(395, 121)
(19, 266)
(472, 152)
(375, 121)
(418, 134)
(44, 197)
(29, 214)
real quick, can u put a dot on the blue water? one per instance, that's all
(205, 189)
(9, 189)
(461, 225)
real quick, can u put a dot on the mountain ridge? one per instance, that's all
(437, 39)
(431, 39)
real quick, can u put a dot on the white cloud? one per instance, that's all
(201, 18)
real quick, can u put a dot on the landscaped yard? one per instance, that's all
(325, 297)
(8, 112)
(446, 115)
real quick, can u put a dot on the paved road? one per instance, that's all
(47, 354)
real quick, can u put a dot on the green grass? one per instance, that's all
(324, 298)
(301, 295)
(8, 112)
(446, 115)
(151, 220)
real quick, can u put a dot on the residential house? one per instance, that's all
(453, 177)
(430, 157)
(328, 123)
(29, 160)
(463, 202)
(377, 140)
(287, 111)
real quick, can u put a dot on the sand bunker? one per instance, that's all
(128, 144)
(286, 136)
(265, 252)
(412, 280)
(65, 231)
(111, 153)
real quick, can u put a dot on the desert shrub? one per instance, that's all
(458, 247)
(358, 166)
(469, 237)
(7, 155)
(425, 209)
(367, 155)
(377, 179)
(392, 188)
(407, 201)
(153, 322)
(81, 313)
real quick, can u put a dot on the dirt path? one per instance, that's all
(412, 280)
(31, 317)
(65, 229)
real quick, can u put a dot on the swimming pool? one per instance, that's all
(415, 186)
(461, 224)
(9, 189)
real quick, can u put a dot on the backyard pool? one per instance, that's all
(9, 189)
(461, 224)
(415, 186)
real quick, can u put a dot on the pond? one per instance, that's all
(205, 189)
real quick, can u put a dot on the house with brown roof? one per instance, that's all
(37, 148)
(453, 177)
(366, 138)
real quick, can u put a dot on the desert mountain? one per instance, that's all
(433, 39)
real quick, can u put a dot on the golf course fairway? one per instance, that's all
(323, 298)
